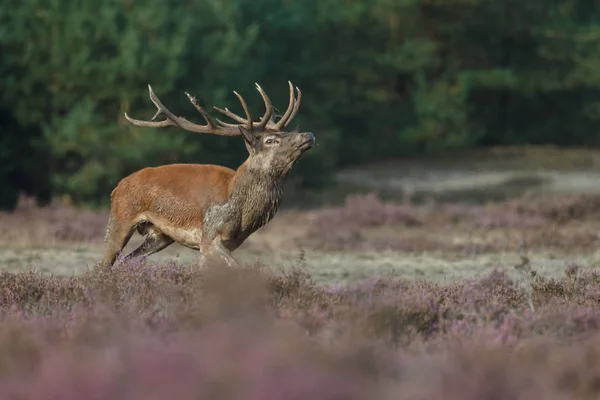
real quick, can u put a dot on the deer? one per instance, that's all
(209, 208)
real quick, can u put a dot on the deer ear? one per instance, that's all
(249, 139)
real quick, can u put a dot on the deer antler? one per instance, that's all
(292, 109)
(223, 129)
(267, 120)
(173, 120)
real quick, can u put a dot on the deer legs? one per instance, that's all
(154, 242)
(157, 241)
(217, 250)
(117, 236)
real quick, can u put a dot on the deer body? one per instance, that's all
(205, 207)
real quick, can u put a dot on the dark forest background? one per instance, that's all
(383, 79)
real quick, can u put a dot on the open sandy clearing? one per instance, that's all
(326, 267)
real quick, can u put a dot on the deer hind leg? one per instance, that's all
(117, 236)
(155, 241)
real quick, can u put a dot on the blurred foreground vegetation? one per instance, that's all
(171, 331)
(380, 79)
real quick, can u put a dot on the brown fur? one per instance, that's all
(172, 191)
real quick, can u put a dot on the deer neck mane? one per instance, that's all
(257, 193)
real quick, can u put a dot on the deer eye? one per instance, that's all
(269, 141)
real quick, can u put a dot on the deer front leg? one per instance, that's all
(217, 250)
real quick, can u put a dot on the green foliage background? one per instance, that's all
(380, 79)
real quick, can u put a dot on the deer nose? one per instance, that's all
(310, 136)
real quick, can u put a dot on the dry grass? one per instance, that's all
(57, 223)
(362, 222)
(361, 237)
(559, 222)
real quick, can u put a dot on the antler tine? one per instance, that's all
(173, 120)
(160, 110)
(249, 124)
(266, 118)
(282, 122)
(231, 115)
(265, 121)
(248, 121)
(296, 107)
(202, 111)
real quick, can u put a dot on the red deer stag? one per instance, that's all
(209, 208)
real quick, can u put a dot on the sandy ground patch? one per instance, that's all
(325, 267)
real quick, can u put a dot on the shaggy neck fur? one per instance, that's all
(258, 194)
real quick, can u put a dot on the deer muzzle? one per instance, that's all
(307, 140)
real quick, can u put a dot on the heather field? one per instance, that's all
(377, 296)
